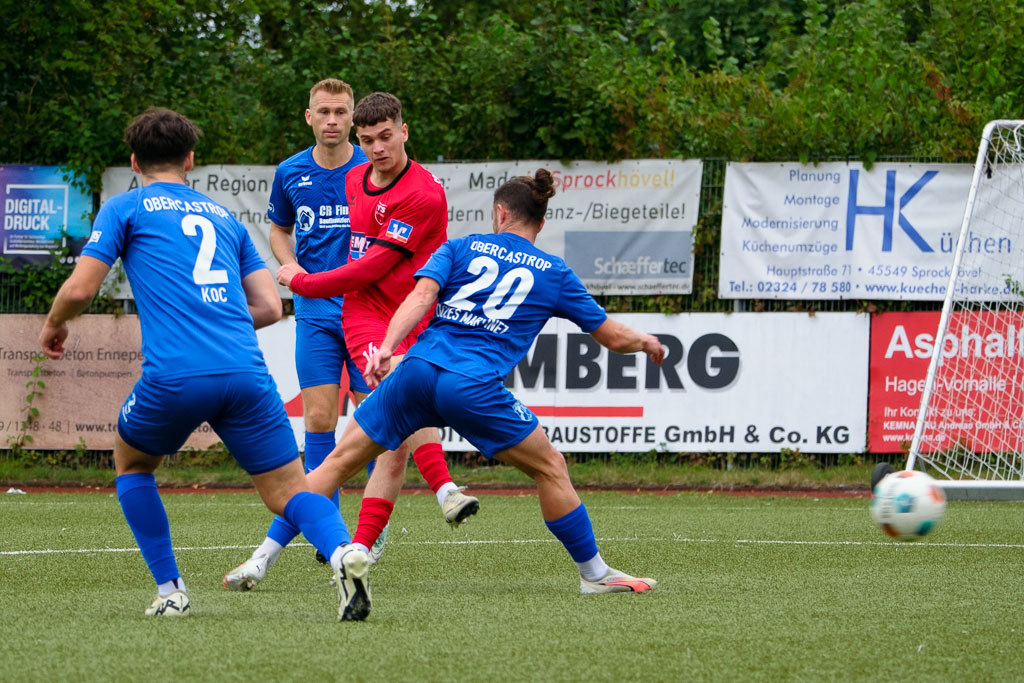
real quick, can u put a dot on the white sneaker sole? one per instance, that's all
(353, 584)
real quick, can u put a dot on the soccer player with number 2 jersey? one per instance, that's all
(201, 290)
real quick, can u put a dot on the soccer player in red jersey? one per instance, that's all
(398, 215)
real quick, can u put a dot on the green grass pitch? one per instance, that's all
(751, 588)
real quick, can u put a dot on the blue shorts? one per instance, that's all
(244, 409)
(320, 354)
(420, 394)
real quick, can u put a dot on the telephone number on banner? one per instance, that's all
(809, 287)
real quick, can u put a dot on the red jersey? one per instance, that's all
(400, 226)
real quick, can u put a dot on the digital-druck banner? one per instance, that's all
(745, 382)
(41, 211)
(625, 227)
(840, 231)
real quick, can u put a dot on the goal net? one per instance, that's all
(969, 426)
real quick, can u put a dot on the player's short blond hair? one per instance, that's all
(332, 86)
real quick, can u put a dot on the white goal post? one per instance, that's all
(969, 426)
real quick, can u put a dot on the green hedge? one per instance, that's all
(485, 80)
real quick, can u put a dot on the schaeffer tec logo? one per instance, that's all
(641, 255)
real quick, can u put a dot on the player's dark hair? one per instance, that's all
(332, 86)
(161, 137)
(527, 198)
(377, 107)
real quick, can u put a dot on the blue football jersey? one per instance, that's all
(185, 257)
(497, 292)
(312, 199)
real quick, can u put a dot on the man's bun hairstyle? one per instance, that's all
(527, 198)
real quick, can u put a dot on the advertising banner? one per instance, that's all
(242, 190)
(625, 228)
(748, 382)
(979, 350)
(41, 211)
(84, 390)
(839, 231)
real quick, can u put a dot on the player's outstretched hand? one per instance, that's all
(51, 338)
(654, 349)
(377, 367)
(286, 272)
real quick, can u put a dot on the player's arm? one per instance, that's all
(409, 314)
(261, 295)
(73, 297)
(621, 338)
(375, 264)
(281, 243)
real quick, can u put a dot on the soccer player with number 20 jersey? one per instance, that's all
(493, 294)
(398, 216)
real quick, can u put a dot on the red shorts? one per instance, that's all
(363, 336)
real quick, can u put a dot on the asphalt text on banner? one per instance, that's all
(624, 227)
(979, 350)
(839, 231)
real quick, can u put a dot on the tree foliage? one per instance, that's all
(483, 79)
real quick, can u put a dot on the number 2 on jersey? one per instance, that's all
(202, 274)
(499, 305)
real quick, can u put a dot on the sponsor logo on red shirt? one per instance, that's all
(398, 231)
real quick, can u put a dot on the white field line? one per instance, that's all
(170, 503)
(529, 541)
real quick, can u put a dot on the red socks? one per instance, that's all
(429, 459)
(374, 514)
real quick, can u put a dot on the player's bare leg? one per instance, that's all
(566, 516)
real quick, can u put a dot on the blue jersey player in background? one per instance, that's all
(309, 225)
(494, 293)
(201, 290)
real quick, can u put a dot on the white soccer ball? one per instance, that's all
(907, 504)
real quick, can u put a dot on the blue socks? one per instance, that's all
(145, 514)
(576, 534)
(319, 520)
(318, 446)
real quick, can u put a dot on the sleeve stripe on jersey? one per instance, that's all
(391, 245)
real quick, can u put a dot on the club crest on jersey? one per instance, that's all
(398, 231)
(522, 411)
(304, 218)
(378, 213)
